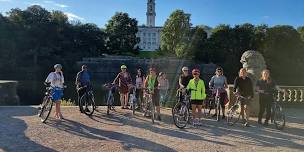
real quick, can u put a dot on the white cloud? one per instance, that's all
(73, 17)
(55, 4)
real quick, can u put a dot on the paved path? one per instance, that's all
(21, 130)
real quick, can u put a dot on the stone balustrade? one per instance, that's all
(291, 94)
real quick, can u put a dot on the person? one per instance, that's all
(124, 81)
(266, 88)
(163, 86)
(243, 86)
(83, 79)
(197, 89)
(56, 80)
(151, 84)
(184, 78)
(139, 82)
(219, 81)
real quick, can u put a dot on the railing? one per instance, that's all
(291, 94)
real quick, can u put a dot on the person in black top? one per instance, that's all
(244, 87)
(184, 78)
(266, 89)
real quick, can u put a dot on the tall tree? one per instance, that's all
(301, 31)
(121, 31)
(175, 33)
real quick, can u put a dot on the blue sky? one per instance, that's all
(203, 12)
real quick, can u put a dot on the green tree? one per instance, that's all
(121, 32)
(283, 51)
(301, 31)
(175, 33)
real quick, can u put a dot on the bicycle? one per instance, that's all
(148, 105)
(47, 103)
(217, 100)
(132, 99)
(277, 115)
(234, 112)
(87, 101)
(181, 111)
(110, 96)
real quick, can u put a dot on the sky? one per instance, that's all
(203, 12)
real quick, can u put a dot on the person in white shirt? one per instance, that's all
(56, 81)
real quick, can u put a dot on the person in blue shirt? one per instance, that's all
(83, 79)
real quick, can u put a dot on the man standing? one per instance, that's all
(82, 83)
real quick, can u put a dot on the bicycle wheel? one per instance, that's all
(46, 109)
(233, 115)
(87, 104)
(180, 114)
(279, 117)
(218, 110)
(133, 105)
(152, 109)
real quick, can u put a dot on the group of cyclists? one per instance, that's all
(158, 85)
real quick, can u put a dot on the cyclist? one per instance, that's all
(183, 80)
(266, 88)
(219, 81)
(124, 82)
(163, 86)
(140, 79)
(198, 94)
(243, 86)
(56, 80)
(151, 84)
(82, 80)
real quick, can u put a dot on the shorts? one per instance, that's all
(245, 102)
(57, 94)
(196, 102)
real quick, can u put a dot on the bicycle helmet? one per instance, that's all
(58, 66)
(195, 71)
(185, 69)
(123, 67)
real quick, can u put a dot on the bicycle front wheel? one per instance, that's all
(233, 115)
(46, 109)
(152, 109)
(218, 110)
(180, 114)
(87, 104)
(279, 117)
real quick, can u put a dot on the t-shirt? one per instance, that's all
(244, 86)
(83, 77)
(218, 82)
(185, 79)
(56, 79)
(139, 82)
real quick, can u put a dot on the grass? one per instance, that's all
(68, 102)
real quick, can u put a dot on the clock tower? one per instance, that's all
(151, 13)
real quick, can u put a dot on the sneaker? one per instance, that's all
(199, 123)
(194, 122)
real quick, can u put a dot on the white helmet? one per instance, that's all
(185, 69)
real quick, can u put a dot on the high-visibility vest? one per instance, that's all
(198, 91)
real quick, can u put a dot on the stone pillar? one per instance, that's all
(8, 93)
(254, 63)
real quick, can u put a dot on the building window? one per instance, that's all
(154, 34)
(149, 34)
(144, 34)
(149, 43)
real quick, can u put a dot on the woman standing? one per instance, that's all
(140, 79)
(219, 81)
(56, 81)
(198, 94)
(163, 86)
(266, 88)
(124, 81)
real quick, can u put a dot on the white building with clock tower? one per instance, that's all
(149, 34)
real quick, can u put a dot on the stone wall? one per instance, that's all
(8, 93)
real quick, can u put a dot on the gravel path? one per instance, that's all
(21, 130)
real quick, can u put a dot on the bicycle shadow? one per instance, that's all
(12, 130)
(129, 142)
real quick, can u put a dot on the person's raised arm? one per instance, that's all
(116, 79)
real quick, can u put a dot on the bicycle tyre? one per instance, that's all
(133, 106)
(185, 115)
(46, 109)
(87, 104)
(152, 109)
(233, 116)
(279, 117)
(218, 110)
